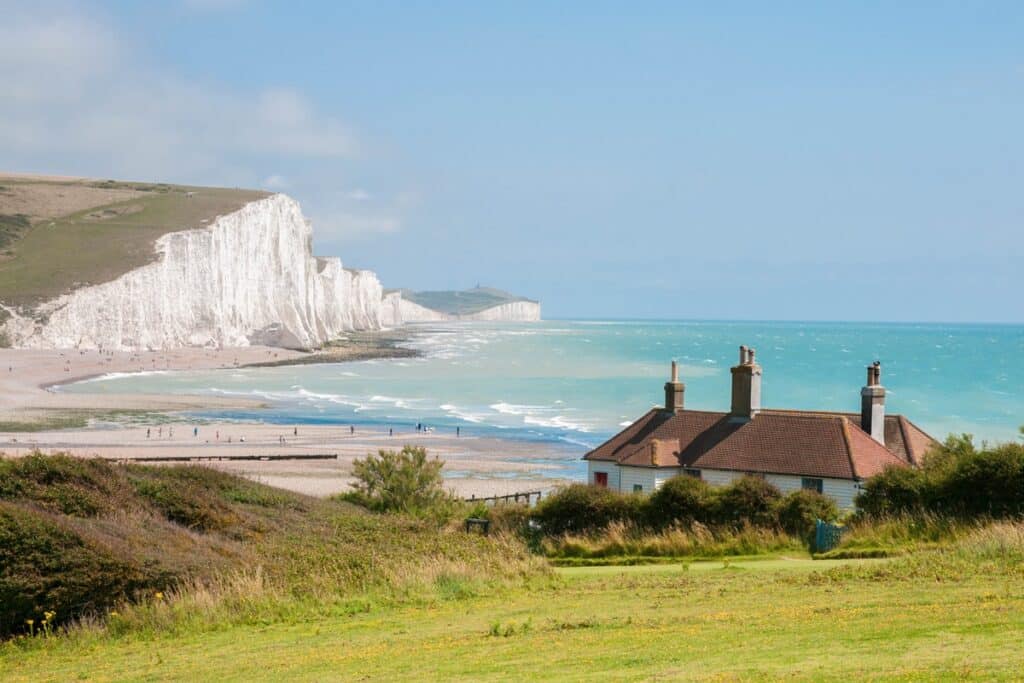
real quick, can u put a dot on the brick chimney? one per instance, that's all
(872, 404)
(746, 386)
(674, 391)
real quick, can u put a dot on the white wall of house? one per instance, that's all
(610, 468)
(632, 477)
(624, 478)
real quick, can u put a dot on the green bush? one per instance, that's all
(956, 479)
(582, 507)
(748, 500)
(405, 481)
(60, 483)
(986, 482)
(798, 511)
(45, 566)
(896, 490)
(681, 499)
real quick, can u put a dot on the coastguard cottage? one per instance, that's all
(831, 453)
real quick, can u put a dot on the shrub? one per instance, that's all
(798, 511)
(681, 499)
(748, 500)
(582, 507)
(46, 566)
(895, 491)
(60, 483)
(404, 481)
(956, 479)
(986, 482)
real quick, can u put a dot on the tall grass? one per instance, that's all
(623, 539)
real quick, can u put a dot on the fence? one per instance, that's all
(525, 496)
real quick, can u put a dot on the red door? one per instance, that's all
(601, 479)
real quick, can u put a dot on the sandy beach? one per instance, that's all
(94, 425)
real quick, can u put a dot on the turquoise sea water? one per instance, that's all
(576, 382)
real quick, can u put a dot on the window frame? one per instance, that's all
(817, 484)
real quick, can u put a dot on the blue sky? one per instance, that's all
(734, 160)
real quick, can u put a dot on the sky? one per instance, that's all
(800, 161)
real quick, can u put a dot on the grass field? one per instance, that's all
(185, 573)
(98, 243)
(746, 620)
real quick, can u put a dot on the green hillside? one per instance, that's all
(465, 302)
(60, 234)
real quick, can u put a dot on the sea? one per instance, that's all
(571, 384)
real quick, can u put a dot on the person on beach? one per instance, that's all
(391, 432)
(458, 431)
(295, 432)
(195, 431)
(351, 430)
(147, 432)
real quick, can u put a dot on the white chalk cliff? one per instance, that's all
(513, 311)
(250, 277)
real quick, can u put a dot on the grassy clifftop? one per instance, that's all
(59, 234)
(466, 302)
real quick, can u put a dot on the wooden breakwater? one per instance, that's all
(220, 458)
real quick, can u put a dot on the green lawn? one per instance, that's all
(747, 619)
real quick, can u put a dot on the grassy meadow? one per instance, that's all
(743, 620)
(113, 572)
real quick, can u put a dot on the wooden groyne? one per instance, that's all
(219, 458)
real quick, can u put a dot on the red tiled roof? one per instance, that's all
(802, 443)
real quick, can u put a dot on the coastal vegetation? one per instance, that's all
(113, 571)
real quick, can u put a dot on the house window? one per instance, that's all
(692, 473)
(638, 488)
(811, 484)
(601, 479)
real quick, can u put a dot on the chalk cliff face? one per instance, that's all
(249, 277)
(399, 311)
(514, 311)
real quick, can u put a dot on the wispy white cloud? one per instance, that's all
(275, 182)
(68, 87)
(77, 99)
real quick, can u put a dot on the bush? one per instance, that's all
(895, 491)
(748, 500)
(798, 511)
(404, 481)
(987, 482)
(63, 484)
(681, 499)
(45, 566)
(956, 479)
(582, 507)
